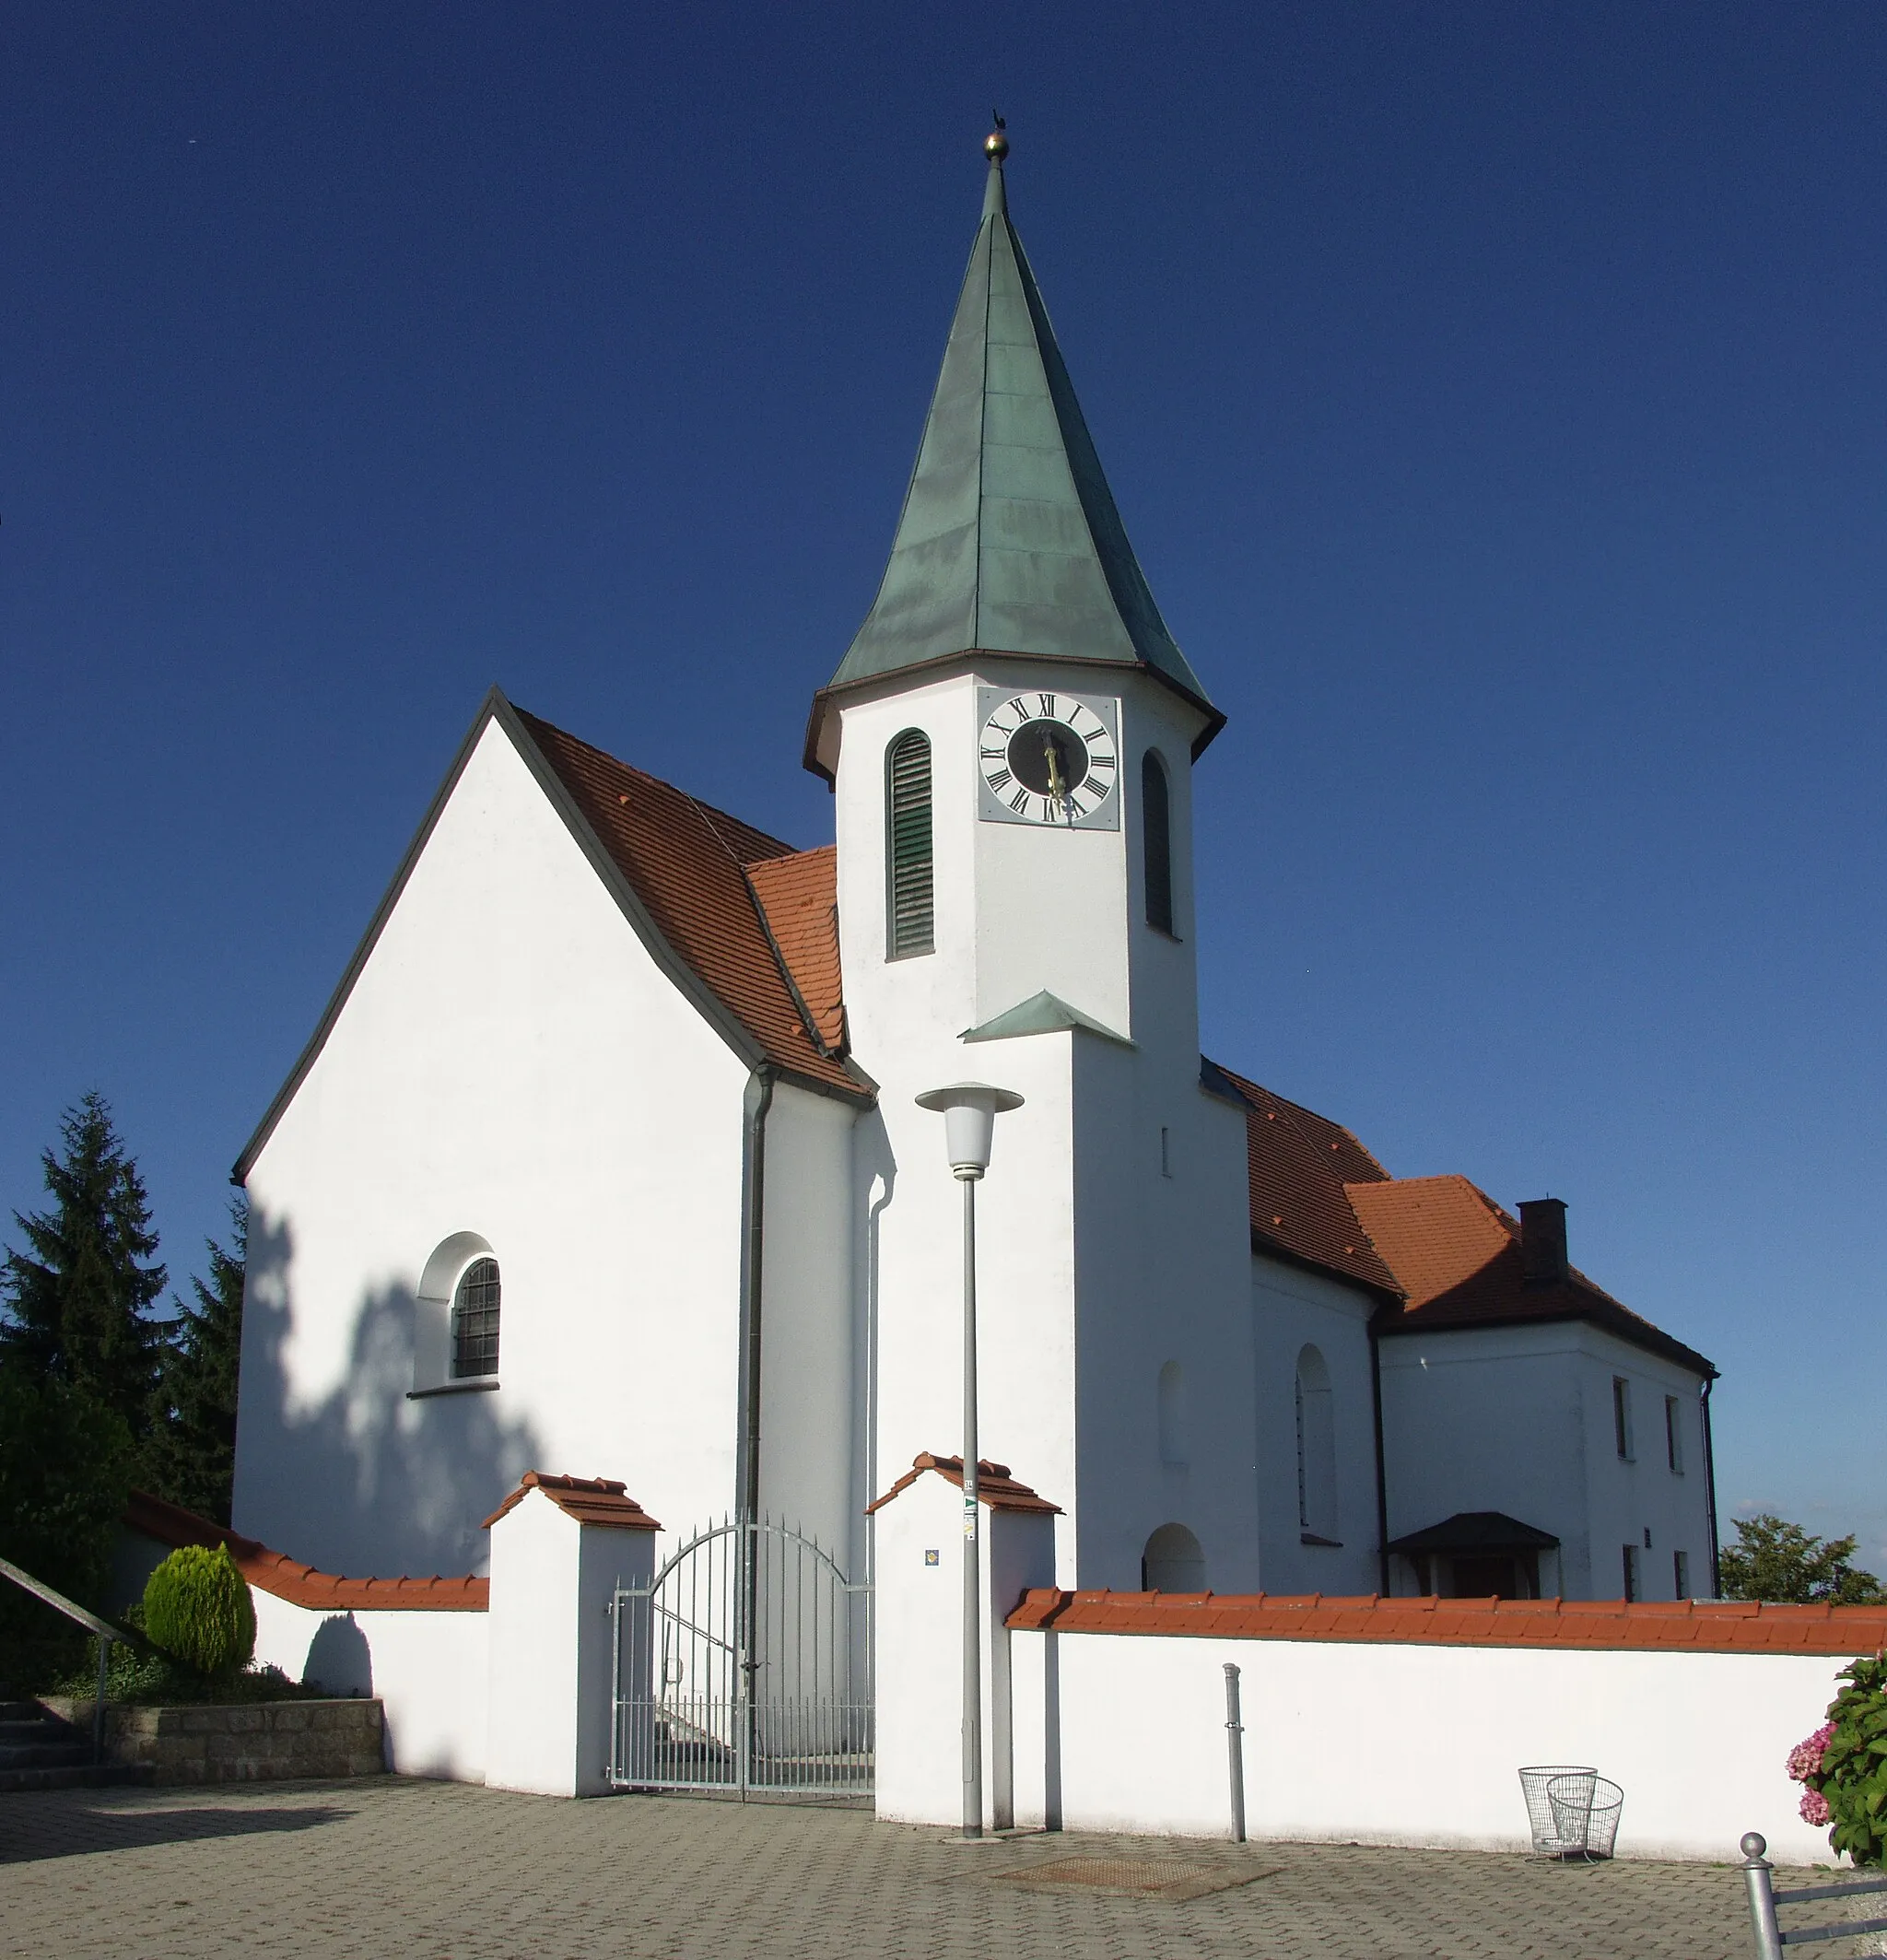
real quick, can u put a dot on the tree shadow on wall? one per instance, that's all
(364, 1482)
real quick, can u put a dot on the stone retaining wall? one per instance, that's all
(262, 1741)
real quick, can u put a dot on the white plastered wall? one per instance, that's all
(1076, 1210)
(1290, 1310)
(1519, 1419)
(428, 1670)
(512, 1062)
(1412, 1745)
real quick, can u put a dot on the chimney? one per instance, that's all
(1544, 1240)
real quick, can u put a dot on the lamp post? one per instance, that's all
(970, 1111)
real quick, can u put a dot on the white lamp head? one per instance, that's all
(970, 1121)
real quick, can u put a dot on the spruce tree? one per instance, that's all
(74, 1305)
(191, 1451)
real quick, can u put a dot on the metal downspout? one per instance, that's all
(755, 1104)
(1710, 1492)
(1382, 1487)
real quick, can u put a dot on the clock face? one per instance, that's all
(1048, 759)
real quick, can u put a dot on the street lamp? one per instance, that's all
(970, 1111)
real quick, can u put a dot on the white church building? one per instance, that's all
(606, 1156)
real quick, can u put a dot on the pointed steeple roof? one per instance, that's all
(1010, 541)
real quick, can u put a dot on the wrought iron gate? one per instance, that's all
(745, 1664)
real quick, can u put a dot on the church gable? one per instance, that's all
(677, 869)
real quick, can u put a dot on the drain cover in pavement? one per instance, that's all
(1140, 1878)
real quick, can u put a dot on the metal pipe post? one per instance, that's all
(1757, 1871)
(972, 1559)
(1235, 1752)
(99, 1706)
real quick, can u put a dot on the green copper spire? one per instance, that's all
(1009, 542)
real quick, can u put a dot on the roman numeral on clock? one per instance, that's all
(1000, 780)
(1094, 787)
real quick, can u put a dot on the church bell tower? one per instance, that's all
(1010, 739)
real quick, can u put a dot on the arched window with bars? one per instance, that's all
(909, 907)
(474, 1321)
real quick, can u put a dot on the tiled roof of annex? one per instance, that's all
(692, 866)
(798, 897)
(995, 1486)
(1458, 1256)
(1689, 1626)
(286, 1579)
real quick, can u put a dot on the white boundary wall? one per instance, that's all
(1411, 1745)
(427, 1667)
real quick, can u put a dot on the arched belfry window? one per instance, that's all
(1156, 840)
(475, 1320)
(908, 845)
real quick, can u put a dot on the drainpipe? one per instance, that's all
(757, 1101)
(1710, 1491)
(1382, 1487)
(755, 1105)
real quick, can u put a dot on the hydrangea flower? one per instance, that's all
(1815, 1807)
(1805, 1760)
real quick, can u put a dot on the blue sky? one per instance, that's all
(1493, 395)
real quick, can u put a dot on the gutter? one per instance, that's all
(1382, 1488)
(755, 1104)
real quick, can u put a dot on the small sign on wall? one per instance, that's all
(929, 1558)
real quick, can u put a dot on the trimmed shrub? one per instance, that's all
(197, 1607)
(1844, 1766)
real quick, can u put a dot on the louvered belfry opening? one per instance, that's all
(1156, 834)
(908, 844)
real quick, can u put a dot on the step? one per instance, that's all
(47, 1729)
(54, 1754)
(25, 1711)
(77, 1776)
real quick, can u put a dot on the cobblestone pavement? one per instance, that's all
(419, 1870)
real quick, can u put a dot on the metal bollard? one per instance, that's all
(1756, 1877)
(1235, 1752)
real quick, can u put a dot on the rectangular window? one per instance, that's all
(1681, 1574)
(1621, 1416)
(1165, 1152)
(1633, 1589)
(1674, 1434)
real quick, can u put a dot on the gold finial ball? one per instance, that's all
(995, 145)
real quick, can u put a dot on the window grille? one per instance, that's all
(1156, 841)
(908, 823)
(474, 1321)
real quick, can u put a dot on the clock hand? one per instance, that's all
(1056, 787)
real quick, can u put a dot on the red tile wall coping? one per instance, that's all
(1715, 1626)
(590, 1501)
(285, 1579)
(995, 1486)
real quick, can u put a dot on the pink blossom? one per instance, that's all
(1805, 1758)
(1815, 1807)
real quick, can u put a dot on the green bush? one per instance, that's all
(197, 1607)
(1844, 1764)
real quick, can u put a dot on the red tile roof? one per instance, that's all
(995, 1486)
(1458, 1256)
(1299, 1166)
(1682, 1625)
(285, 1579)
(688, 865)
(590, 1501)
(799, 899)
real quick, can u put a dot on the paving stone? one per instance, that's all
(400, 1869)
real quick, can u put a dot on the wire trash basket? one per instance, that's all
(1586, 1810)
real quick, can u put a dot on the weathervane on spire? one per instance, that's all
(996, 145)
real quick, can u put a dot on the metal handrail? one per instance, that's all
(1758, 1875)
(105, 1633)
